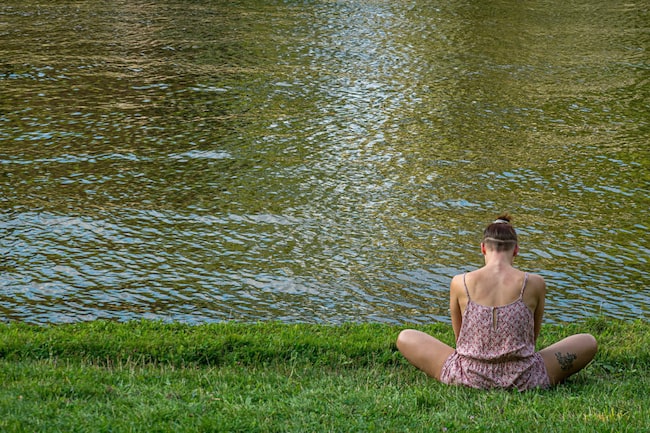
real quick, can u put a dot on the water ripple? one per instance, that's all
(324, 162)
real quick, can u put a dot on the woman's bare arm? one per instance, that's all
(454, 304)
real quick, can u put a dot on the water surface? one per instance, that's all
(318, 161)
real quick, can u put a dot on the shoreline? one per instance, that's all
(250, 343)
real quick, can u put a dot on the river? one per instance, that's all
(318, 161)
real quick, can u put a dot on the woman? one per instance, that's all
(496, 314)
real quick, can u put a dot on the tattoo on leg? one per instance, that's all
(566, 360)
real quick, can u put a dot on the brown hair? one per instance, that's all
(500, 235)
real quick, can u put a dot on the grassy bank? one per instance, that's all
(154, 377)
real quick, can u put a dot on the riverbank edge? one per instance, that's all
(622, 344)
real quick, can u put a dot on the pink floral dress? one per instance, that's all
(496, 348)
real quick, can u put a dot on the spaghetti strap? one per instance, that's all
(524, 285)
(465, 284)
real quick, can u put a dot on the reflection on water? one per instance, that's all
(322, 162)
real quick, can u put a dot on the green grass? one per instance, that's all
(271, 377)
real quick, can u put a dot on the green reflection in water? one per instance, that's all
(323, 161)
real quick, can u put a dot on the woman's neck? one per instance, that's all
(502, 259)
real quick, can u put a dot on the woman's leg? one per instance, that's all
(568, 356)
(423, 351)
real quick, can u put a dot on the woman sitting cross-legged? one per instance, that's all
(496, 314)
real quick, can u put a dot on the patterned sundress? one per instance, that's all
(496, 348)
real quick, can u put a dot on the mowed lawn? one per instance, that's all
(270, 377)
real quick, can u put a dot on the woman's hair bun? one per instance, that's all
(504, 218)
(500, 235)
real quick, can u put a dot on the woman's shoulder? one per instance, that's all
(457, 286)
(535, 282)
(458, 277)
(535, 278)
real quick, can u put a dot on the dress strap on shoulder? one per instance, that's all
(465, 284)
(524, 285)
